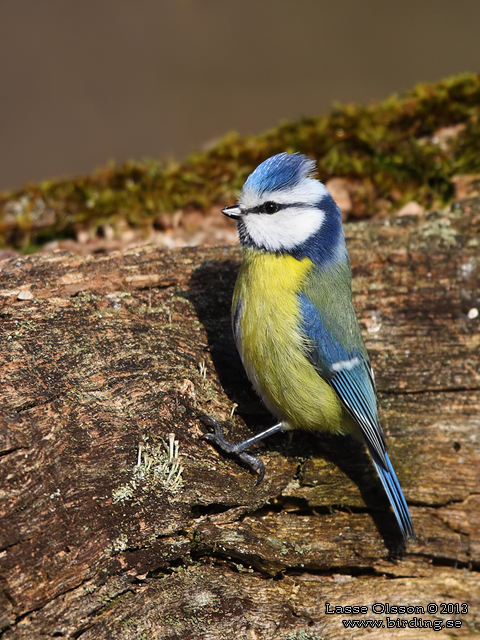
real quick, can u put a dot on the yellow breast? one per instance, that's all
(270, 343)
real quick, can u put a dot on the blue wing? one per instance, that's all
(348, 371)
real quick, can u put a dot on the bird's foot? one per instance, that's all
(235, 448)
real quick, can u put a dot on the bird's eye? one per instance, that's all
(270, 207)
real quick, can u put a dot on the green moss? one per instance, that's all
(391, 149)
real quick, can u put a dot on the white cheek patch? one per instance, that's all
(284, 230)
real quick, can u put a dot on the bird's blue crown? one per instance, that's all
(283, 171)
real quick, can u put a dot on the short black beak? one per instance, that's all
(232, 212)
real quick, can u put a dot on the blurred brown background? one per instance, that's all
(85, 82)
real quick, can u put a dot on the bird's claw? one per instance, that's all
(234, 448)
(255, 464)
(217, 437)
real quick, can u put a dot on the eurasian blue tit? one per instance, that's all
(293, 318)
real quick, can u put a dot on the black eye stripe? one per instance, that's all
(268, 207)
(279, 207)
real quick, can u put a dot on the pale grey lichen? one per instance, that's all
(156, 466)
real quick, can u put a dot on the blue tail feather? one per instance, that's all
(395, 495)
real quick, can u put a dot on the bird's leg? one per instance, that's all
(239, 448)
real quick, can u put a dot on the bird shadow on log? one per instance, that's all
(210, 291)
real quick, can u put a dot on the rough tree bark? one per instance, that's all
(104, 535)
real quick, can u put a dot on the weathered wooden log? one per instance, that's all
(107, 531)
